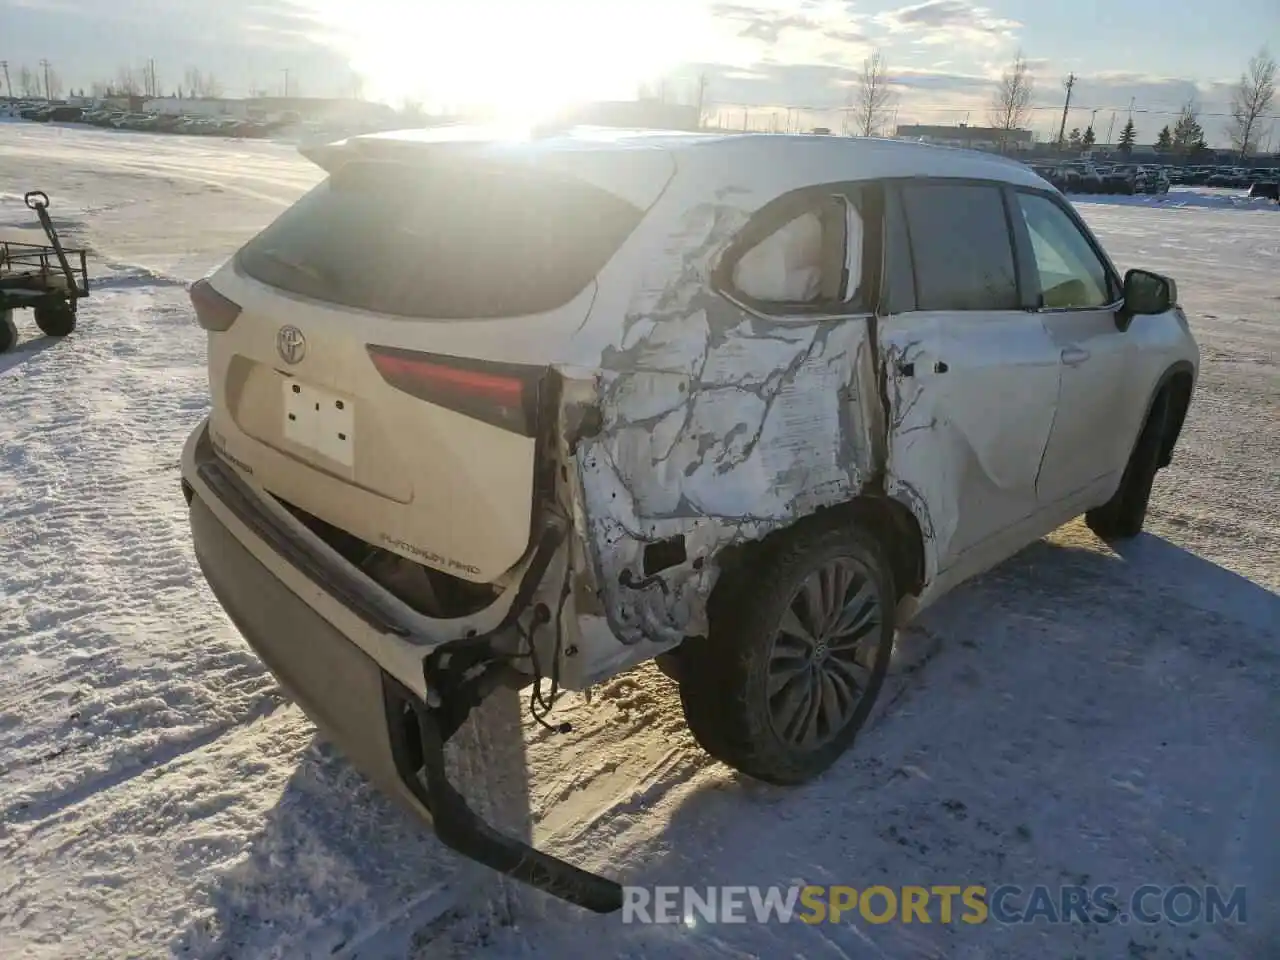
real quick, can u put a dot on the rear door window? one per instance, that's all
(961, 246)
(444, 240)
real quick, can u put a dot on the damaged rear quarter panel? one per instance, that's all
(717, 424)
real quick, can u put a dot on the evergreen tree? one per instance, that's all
(1188, 135)
(1127, 138)
(1088, 139)
(1164, 142)
(1073, 138)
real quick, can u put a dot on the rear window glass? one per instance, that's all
(445, 241)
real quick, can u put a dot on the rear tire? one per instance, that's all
(669, 664)
(56, 319)
(1124, 515)
(795, 656)
(8, 331)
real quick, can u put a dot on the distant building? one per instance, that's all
(963, 135)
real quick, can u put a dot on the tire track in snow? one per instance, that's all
(102, 558)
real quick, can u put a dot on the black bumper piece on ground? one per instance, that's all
(386, 731)
(460, 829)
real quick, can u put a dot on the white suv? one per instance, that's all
(491, 412)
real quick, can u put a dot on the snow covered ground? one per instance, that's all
(1077, 716)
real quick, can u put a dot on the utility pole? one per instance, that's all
(286, 81)
(7, 84)
(1069, 83)
(1111, 128)
(702, 96)
(45, 64)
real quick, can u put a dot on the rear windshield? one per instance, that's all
(445, 241)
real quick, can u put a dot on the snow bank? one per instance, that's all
(1182, 197)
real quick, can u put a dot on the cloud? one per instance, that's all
(769, 29)
(845, 36)
(760, 23)
(949, 21)
(791, 32)
(939, 80)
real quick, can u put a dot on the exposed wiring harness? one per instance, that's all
(540, 703)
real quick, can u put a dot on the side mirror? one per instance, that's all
(1148, 293)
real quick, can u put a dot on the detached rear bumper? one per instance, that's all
(335, 683)
(385, 729)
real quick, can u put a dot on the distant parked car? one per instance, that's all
(1047, 172)
(65, 113)
(1126, 178)
(1264, 188)
(1082, 176)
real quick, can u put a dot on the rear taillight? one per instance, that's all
(213, 311)
(502, 394)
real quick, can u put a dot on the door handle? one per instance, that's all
(1074, 356)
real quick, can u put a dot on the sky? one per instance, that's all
(758, 56)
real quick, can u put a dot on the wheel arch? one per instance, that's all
(1175, 386)
(889, 520)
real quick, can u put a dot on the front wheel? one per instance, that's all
(1125, 514)
(795, 656)
(56, 319)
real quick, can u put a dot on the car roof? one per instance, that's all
(852, 158)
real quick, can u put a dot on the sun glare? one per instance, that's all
(520, 59)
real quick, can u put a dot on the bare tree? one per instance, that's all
(1011, 103)
(872, 96)
(1250, 100)
(201, 84)
(127, 82)
(53, 84)
(29, 84)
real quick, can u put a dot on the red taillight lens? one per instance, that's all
(502, 394)
(213, 311)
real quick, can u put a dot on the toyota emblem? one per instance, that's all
(291, 344)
